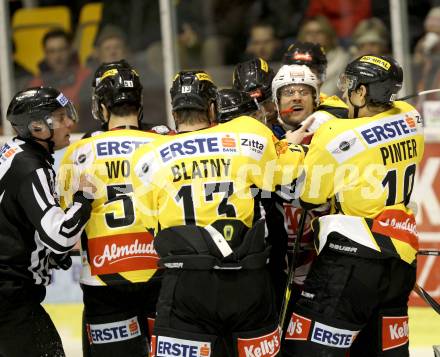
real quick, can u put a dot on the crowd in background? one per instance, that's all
(217, 34)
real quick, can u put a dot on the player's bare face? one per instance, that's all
(351, 100)
(296, 103)
(62, 127)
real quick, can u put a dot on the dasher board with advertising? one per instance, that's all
(427, 196)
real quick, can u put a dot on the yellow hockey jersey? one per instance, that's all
(200, 177)
(366, 168)
(333, 105)
(115, 247)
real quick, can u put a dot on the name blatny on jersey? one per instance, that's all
(202, 168)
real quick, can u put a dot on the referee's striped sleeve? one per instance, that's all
(58, 230)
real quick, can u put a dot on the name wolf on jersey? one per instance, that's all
(116, 168)
(117, 146)
(203, 168)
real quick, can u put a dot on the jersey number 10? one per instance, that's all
(390, 181)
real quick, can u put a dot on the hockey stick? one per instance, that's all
(435, 253)
(427, 298)
(423, 92)
(291, 275)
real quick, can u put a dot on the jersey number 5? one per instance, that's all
(120, 193)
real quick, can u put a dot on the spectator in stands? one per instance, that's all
(60, 67)
(139, 19)
(343, 15)
(111, 46)
(427, 56)
(371, 36)
(21, 75)
(319, 30)
(263, 43)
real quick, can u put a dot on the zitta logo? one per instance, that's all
(253, 145)
(172, 347)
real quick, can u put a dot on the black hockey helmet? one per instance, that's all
(309, 54)
(115, 83)
(232, 103)
(382, 76)
(192, 90)
(254, 77)
(37, 104)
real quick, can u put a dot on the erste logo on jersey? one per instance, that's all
(395, 332)
(163, 346)
(264, 346)
(391, 128)
(300, 328)
(332, 336)
(118, 146)
(114, 331)
(200, 144)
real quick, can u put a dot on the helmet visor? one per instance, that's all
(59, 117)
(347, 82)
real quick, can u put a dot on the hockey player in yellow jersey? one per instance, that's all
(358, 287)
(119, 278)
(196, 191)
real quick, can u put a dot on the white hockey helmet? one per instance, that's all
(294, 74)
